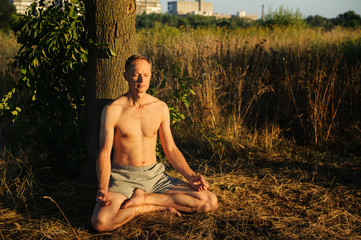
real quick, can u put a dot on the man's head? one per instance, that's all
(130, 61)
(138, 71)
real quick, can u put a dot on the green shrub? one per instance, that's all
(47, 103)
(351, 49)
(284, 17)
(46, 106)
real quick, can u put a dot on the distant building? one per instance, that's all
(220, 15)
(242, 14)
(22, 6)
(148, 6)
(198, 7)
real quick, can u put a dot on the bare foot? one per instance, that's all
(137, 199)
(173, 211)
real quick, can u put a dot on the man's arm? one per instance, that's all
(103, 163)
(174, 156)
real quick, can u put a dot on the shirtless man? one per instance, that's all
(135, 183)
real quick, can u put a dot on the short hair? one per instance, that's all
(134, 58)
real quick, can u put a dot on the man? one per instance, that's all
(135, 183)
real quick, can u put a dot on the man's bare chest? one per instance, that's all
(137, 124)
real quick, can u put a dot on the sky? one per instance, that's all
(324, 8)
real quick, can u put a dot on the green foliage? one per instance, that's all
(7, 10)
(177, 94)
(351, 49)
(180, 94)
(318, 21)
(47, 103)
(284, 17)
(348, 19)
(192, 21)
(178, 97)
(279, 17)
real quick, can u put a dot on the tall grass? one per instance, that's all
(259, 84)
(8, 50)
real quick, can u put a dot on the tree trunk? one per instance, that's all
(110, 22)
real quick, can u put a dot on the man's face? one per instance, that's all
(139, 76)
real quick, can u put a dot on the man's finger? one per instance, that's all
(204, 182)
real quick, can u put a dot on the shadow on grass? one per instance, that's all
(315, 170)
(305, 164)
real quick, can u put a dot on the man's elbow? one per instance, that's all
(172, 151)
(104, 154)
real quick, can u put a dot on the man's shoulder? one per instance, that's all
(155, 100)
(158, 103)
(115, 106)
(117, 103)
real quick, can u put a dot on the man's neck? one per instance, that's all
(136, 99)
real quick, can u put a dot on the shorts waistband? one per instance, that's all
(132, 168)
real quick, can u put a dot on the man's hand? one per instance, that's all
(198, 183)
(103, 198)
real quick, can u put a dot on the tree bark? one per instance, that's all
(110, 22)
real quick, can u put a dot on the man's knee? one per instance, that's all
(208, 202)
(101, 224)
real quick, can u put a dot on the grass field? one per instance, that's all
(274, 126)
(289, 195)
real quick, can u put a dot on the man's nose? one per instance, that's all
(140, 78)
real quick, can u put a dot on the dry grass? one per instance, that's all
(293, 80)
(258, 87)
(8, 50)
(268, 196)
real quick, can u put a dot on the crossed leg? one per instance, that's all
(181, 197)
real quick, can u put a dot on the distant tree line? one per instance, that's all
(193, 21)
(7, 11)
(279, 17)
(348, 19)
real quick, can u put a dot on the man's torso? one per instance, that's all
(135, 131)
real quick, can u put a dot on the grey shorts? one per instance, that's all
(152, 179)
